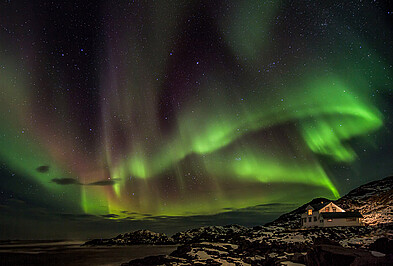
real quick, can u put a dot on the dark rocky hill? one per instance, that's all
(222, 234)
(140, 237)
(373, 200)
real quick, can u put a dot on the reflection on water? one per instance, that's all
(72, 253)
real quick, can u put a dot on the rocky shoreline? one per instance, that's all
(282, 242)
(266, 245)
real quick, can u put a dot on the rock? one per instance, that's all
(325, 241)
(372, 260)
(336, 255)
(298, 258)
(383, 245)
(200, 254)
(182, 252)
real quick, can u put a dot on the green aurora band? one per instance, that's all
(210, 160)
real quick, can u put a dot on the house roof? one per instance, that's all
(330, 215)
(319, 206)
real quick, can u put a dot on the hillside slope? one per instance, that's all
(373, 200)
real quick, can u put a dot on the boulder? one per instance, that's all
(383, 245)
(182, 252)
(325, 241)
(336, 255)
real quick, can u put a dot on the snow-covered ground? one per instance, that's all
(282, 242)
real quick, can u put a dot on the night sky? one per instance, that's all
(166, 115)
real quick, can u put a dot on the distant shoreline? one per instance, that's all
(73, 253)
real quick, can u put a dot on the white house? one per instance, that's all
(328, 214)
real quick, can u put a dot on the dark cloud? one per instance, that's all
(78, 216)
(73, 181)
(133, 213)
(103, 183)
(271, 204)
(43, 168)
(66, 181)
(111, 215)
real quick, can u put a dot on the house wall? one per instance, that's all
(342, 222)
(313, 223)
(326, 223)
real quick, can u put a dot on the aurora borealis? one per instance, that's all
(135, 111)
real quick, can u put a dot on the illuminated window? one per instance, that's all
(309, 212)
(330, 220)
(327, 209)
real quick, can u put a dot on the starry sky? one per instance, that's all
(166, 115)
